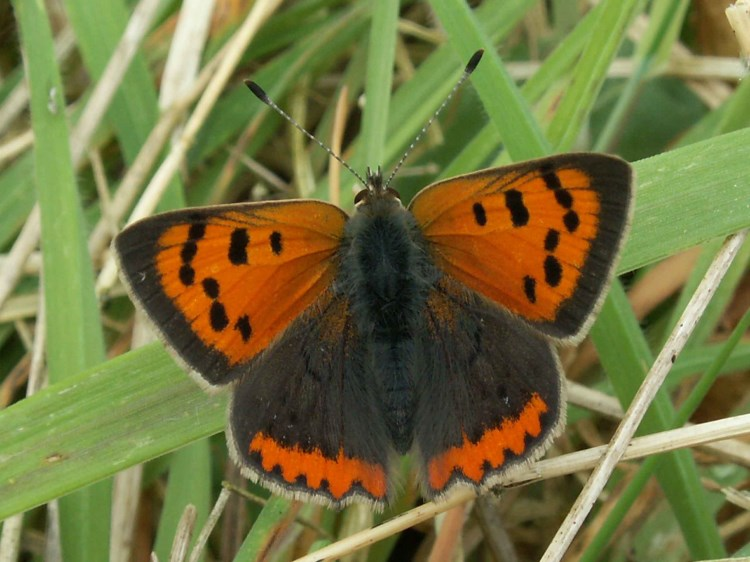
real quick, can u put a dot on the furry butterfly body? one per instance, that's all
(430, 330)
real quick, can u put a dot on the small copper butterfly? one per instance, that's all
(428, 329)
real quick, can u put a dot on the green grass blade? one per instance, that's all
(74, 336)
(17, 197)
(133, 111)
(128, 410)
(500, 97)
(189, 483)
(590, 72)
(274, 516)
(702, 185)
(664, 24)
(378, 79)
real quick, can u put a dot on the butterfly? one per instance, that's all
(428, 329)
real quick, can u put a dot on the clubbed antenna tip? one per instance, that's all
(262, 96)
(259, 92)
(468, 69)
(474, 61)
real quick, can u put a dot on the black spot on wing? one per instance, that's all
(218, 317)
(564, 198)
(529, 288)
(551, 240)
(480, 215)
(197, 231)
(211, 287)
(552, 181)
(571, 221)
(275, 241)
(188, 251)
(243, 327)
(550, 177)
(552, 271)
(238, 246)
(187, 274)
(519, 214)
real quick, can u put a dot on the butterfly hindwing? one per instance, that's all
(305, 419)
(539, 238)
(222, 283)
(491, 393)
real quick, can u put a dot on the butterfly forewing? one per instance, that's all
(539, 238)
(222, 283)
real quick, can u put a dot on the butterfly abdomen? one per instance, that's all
(387, 276)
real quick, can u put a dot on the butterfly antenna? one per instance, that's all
(262, 96)
(472, 64)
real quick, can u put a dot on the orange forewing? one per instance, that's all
(239, 274)
(523, 235)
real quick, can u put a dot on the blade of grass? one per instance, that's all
(274, 517)
(128, 410)
(134, 110)
(378, 79)
(555, 66)
(724, 292)
(702, 185)
(189, 483)
(736, 114)
(591, 71)
(417, 99)
(501, 99)
(698, 358)
(74, 337)
(17, 197)
(665, 23)
(310, 53)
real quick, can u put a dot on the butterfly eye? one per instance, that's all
(393, 193)
(362, 198)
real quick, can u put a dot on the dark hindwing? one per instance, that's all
(491, 394)
(304, 420)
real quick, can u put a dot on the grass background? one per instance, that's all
(617, 78)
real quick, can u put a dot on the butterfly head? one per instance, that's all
(375, 189)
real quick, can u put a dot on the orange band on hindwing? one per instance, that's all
(473, 460)
(336, 477)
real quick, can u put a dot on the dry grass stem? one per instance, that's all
(126, 493)
(337, 136)
(183, 534)
(738, 15)
(211, 521)
(186, 50)
(654, 379)
(138, 25)
(171, 164)
(639, 447)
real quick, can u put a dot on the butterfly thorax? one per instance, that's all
(386, 276)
